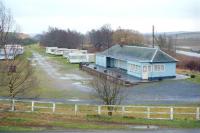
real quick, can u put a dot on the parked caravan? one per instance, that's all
(51, 50)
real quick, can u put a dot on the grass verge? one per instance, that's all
(10, 121)
(196, 75)
(138, 121)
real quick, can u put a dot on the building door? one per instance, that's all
(108, 62)
(145, 72)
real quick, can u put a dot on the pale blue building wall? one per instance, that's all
(120, 64)
(137, 73)
(101, 60)
(169, 71)
(169, 68)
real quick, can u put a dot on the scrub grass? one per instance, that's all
(18, 128)
(137, 121)
(36, 47)
(195, 79)
(21, 121)
(13, 121)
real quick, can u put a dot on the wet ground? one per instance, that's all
(163, 92)
(127, 131)
(61, 80)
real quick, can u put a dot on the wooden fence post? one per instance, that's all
(13, 105)
(197, 114)
(75, 109)
(148, 112)
(123, 110)
(99, 110)
(171, 113)
(32, 106)
(54, 107)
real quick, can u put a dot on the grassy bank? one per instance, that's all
(195, 76)
(36, 122)
(137, 121)
(37, 48)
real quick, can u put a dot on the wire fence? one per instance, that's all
(146, 112)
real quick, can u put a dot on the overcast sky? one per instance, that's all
(35, 16)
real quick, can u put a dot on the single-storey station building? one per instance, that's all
(140, 62)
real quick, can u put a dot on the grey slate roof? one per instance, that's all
(136, 53)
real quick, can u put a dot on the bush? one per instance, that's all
(186, 62)
(192, 76)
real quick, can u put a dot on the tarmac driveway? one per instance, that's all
(164, 92)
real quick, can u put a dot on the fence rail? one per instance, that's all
(147, 112)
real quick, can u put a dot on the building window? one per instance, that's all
(149, 68)
(144, 68)
(159, 67)
(134, 68)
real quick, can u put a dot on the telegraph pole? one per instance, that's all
(153, 35)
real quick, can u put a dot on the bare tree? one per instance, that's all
(161, 40)
(16, 73)
(101, 38)
(108, 91)
(61, 38)
(17, 77)
(6, 23)
(127, 37)
(165, 42)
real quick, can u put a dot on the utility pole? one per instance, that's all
(176, 42)
(153, 35)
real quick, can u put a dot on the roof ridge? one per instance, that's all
(168, 55)
(135, 46)
(154, 55)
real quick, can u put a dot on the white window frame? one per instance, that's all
(145, 70)
(134, 68)
(159, 65)
(150, 66)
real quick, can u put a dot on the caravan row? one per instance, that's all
(10, 51)
(72, 55)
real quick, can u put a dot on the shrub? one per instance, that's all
(192, 76)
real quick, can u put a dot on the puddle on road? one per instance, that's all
(53, 72)
(73, 77)
(143, 127)
(73, 100)
(82, 87)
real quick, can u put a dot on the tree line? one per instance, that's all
(100, 39)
